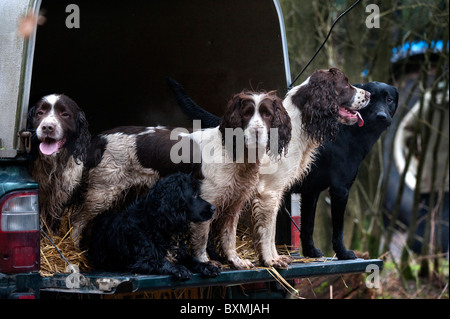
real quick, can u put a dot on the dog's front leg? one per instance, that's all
(98, 199)
(339, 199)
(193, 264)
(308, 212)
(227, 226)
(205, 269)
(264, 210)
(150, 264)
(180, 272)
(199, 240)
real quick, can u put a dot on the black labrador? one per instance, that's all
(337, 165)
(337, 162)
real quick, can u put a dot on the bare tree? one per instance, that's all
(387, 54)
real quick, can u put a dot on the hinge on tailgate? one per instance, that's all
(107, 284)
(25, 137)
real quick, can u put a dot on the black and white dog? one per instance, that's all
(336, 163)
(59, 147)
(151, 232)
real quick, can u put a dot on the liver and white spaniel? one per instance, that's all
(59, 146)
(226, 157)
(316, 107)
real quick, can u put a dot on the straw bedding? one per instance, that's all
(51, 261)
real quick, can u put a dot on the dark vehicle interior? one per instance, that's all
(116, 63)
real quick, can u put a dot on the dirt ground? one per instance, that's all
(391, 286)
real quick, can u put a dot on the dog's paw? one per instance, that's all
(345, 254)
(209, 270)
(215, 263)
(282, 261)
(181, 273)
(240, 264)
(312, 252)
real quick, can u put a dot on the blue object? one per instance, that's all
(415, 48)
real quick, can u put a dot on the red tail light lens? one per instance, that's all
(19, 232)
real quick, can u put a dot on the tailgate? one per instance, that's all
(108, 283)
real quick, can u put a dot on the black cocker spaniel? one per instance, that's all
(149, 237)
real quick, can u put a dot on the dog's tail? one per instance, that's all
(190, 108)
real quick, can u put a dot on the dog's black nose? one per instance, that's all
(213, 208)
(47, 128)
(381, 116)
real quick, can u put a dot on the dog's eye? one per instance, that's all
(65, 114)
(266, 114)
(248, 113)
(388, 100)
(40, 113)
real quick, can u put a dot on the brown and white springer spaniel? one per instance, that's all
(59, 146)
(226, 157)
(316, 107)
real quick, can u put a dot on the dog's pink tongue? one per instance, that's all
(360, 119)
(48, 148)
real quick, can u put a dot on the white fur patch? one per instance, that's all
(52, 99)
(149, 130)
(50, 120)
(257, 125)
(359, 99)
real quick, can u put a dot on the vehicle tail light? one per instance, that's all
(19, 232)
(295, 215)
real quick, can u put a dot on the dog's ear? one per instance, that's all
(83, 137)
(193, 181)
(82, 124)
(30, 118)
(180, 190)
(395, 99)
(83, 128)
(318, 105)
(30, 127)
(168, 200)
(282, 123)
(232, 117)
